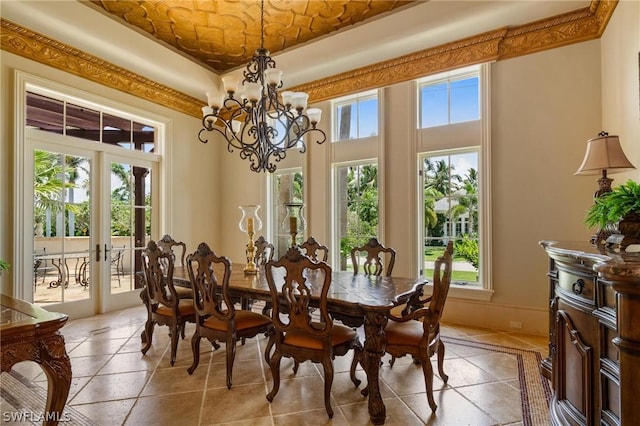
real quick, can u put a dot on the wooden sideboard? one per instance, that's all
(594, 335)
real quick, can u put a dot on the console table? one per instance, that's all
(30, 333)
(594, 335)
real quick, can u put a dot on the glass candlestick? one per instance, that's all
(250, 222)
(294, 222)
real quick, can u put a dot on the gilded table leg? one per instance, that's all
(374, 345)
(57, 367)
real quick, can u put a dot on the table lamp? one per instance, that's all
(250, 222)
(604, 153)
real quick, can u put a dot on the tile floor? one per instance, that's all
(114, 384)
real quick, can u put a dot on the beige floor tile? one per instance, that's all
(500, 365)
(222, 405)
(167, 410)
(114, 383)
(107, 413)
(499, 399)
(97, 347)
(124, 362)
(176, 380)
(111, 387)
(453, 409)
(88, 365)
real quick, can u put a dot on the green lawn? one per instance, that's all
(457, 276)
(432, 253)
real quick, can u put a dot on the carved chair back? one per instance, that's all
(312, 247)
(291, 294)
(167, 243)
(158, 271)
(264, 251)
(209, 275)
(373, 263)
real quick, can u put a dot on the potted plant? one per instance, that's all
(619, 209)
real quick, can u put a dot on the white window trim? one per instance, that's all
(25, 82)
(484, 292)
(351, 99)
(448, 77)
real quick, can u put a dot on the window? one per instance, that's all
(286, 188)
(450, 191)
(453, 99)
(357, 207)
(85, 121)
(356, 117)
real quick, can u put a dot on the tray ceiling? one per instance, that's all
(224, 34)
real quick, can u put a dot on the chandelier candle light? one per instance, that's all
(249, 223)
(260, 123)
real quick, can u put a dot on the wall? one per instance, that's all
(193, 188)
(620, 46)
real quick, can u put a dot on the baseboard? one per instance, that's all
(526, 320)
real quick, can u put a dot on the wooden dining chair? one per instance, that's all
(163, 304)
(264, 251)
(216, 317)
(311, 248)
(167, 244)
(375, 258)
(417, 331)
(296, 334)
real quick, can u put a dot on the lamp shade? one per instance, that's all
(604, 153)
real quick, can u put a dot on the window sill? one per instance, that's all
(468, 292)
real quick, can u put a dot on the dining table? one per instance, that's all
(353, 299)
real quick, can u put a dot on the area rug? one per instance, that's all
(535, 392)
(22, 402)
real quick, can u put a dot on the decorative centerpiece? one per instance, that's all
(294, 222)
(249, 223)
(617, 212)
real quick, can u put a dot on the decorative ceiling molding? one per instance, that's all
(573, 27)
(34, 46)
(568, 28)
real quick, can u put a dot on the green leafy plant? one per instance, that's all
(467, 249)
(613, 206)
(4, 266)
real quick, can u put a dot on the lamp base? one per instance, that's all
(250, 269)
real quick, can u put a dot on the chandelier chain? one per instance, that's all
(260, 122)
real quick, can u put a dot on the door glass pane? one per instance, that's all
(61, 227)
(130, 223)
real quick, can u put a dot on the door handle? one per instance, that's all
(105, 252)
(97, 252)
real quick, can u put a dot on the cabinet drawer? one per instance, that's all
(579, 286)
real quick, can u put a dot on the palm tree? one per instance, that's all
(440, 176)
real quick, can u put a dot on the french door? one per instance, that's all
(88, 219)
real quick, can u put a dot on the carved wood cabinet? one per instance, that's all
(594, 335)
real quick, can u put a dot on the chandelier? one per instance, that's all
(258, 121)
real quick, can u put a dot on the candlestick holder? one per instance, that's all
(250, 222)
(294, 222)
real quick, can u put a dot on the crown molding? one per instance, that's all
(29, 44)
(503, 43)
(573, 27)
